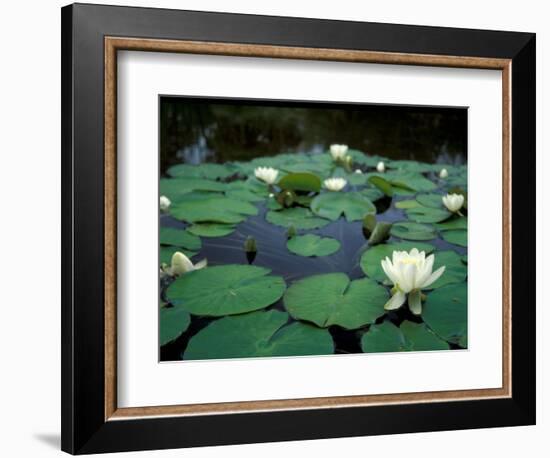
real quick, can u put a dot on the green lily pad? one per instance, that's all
(455, 270)
(382, 184)
(456, 222)
(179, 237)
(370, 260)
(300, 218)
(211, 229)
(410, 181)
(410, 166)
(406, 204)
(430, 200)
(258, 334)
(208, 170)
(244, 194)
(226, 290)
(413, 231)
(446, 313)
(166, 253)
(300, 182)
(456, 237)
(386, 337)
(331, 299)
(332, 205)
(211, 208)
(313, 245)
(175, 188)
(173, 321)
(427, 214)
(373, 194)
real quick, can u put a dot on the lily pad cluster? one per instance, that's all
(246, 309)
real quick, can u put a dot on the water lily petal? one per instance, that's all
(433, 277)
(396, 301)
(415, 302)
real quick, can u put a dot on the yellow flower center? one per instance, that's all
(409, 261)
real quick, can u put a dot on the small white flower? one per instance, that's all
(338, 152)
(359, 171)
(381, 167)
(181, 264)
(164, 203)
(266, 174)
(453, 202)
(271, 195)
(443, 174)
(409, 273)
(335, 184)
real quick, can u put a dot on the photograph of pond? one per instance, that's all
(310, 228)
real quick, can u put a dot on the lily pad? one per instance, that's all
(179, 237)
(300, 218)
(373, 194)
(300, 182)
(446, 313)
(411, 180)
(406, 204)
(166, 253)
(226, 290)
(411, 166)
(413, 231)
(332, 205)
(382, 184)
(258, 334)
(456, 237)
(423, 214)
(244, 194)
(331, 299)
(386, 337)
(211, 229)
(456, 222)
(212, 208)
(313, 245)
(455, 270)
(173, 321)
(371, 259)
(207, 170)
(175, 188)
(430, 200)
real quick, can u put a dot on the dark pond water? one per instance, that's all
(195, 131)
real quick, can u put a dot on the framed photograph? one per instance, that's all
(281, 229)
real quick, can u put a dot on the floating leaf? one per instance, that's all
(300, 218)
(173, 321)
(446, 312)
(258, 334)
(430, 200)
(211, 229)
(300, 182)
(456, 222)
(413, 231)
(332, 205)
(386, 337)
(208, 170)
(370, 260)
(380, 233)
(166, 253)
(383, 337)
(226, 290)
(382, 184)
(410, 180)
(456, 237)
(427, 214)
(175, 188)
(313, 245)
(179, 237)
(455, 270)
(331, 299)
(410, 166)
(244, 194)
(373, 194)
(406, 204)
(214, 208)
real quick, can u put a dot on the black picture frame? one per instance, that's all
(84, 427)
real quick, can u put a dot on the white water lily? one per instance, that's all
(381, 167)
(181, 264)
(409, 273)
(335, 184)
(453, 202)
(443, 174)
(164, 203)
(338, 152)
(358, 171)
(266, 174)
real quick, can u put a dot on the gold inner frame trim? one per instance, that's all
(114, 44)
